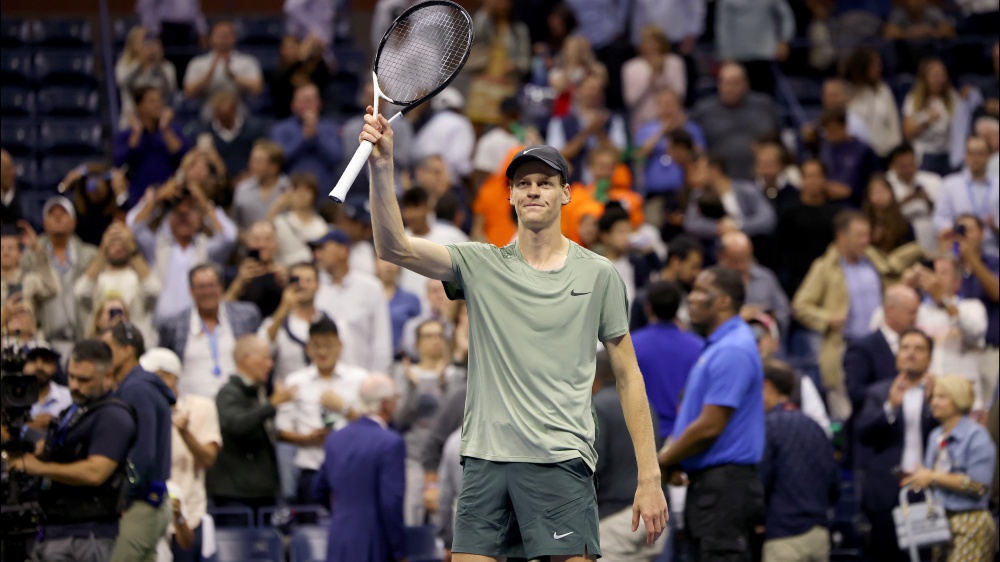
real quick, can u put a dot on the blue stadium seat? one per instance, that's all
(228, 516)
(18, 137)
(82, 138)
(27, 173)
(901, 85)
(53, 169)
(62, 33)
(808, 91)
(421, 544)
(68, 101)
(65, 68)
(260, 31)
(249, 545)
(33, 201)
(119, 31)
(350, 59)
(308, 544)
(15, 68)
(14, 33)
(16, 102)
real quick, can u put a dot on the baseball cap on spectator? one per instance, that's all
(161, 359)
(39, 348)
(763, 324)
(544, 154)
(449, 98)
(62, 202)
(335, 235)
(358, 210)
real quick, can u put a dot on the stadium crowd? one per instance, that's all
(825, 151)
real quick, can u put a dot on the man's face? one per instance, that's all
(151, 106)
(324, 350)
(905, 166)
(704, 302)
(306, 100)
(973, 233)
(206, 290)
(8, 171)
(117, 252)
(737, 258)
(944, 271)
(855, 240)
(733, 85)
(433, 175)
(223, 38)
(185, 220)
(590, 92)
(602, 167)
(431, 340)
(688, 269)
(667, 105)
(260, 164)
(86, 382)
(331, 254)
(58, 222)
(10, 251)
(834, 95)
(914, 356)
(901, 313)
(415, 216)
(767, 164)
(387, 272)
(257, 363)
(977, 155)
(835, 132)
(42, 367)
(263, 239)
(617, 237)
(537, 194)
(307, 284)
(813, 179)
(119, 353)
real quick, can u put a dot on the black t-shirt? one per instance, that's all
(804, 233)
(265, 292)
(110, 431)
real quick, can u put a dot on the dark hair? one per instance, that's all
(973, 217)
(204, 267)
(843, 220)
(306, 179)
(664, 298)
(446, 208)
(730, 283)
(856, 66)
(894, 226)
(304, 265)
(126, 334)
(816, 161)
(921, 333)
(93, 351)
(900, 150)
(613, 214)
(718, 162)
(323, 327)
(836, 115)
(414, 197)
(420, 327)
(139, 93)
(682, 246)
(681, 138)
(781, 376)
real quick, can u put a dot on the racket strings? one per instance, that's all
(423, 52)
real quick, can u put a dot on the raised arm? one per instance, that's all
(391, 242)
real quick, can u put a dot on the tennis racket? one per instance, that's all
(420, 54)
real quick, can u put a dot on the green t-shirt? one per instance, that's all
(533, 350)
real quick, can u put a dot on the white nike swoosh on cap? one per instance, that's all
(530, 149)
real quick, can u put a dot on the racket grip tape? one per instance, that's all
(351, 172)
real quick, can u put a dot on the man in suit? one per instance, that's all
(362, 478)
(892, 429)
(245, 473)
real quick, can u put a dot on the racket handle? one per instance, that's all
(351, 172)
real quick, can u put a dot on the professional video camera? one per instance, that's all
(18, 517)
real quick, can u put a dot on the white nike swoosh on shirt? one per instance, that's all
(557, 536)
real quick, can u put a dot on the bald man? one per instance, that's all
(764, 293)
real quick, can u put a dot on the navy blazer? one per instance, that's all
(363, 479)
(867, 361)
(882, 444)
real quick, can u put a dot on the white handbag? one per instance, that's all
(920, 525)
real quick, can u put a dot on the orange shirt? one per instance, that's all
(492, 203)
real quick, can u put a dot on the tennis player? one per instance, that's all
(536, 308)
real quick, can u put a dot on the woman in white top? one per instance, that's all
(872, 100)
(142, 64)
(296, 222)
(654, 69)
(928, 113)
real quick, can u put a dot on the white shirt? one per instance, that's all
(936, 138)
(492, 148)
(627, 272)
(913, 438)
(812, 405)
(877, 108)
(207, 367)
(958, 341)
(289, 355)
(362, 257)
(294, 234)
(450, 135)
(139, 296)
(960, 193)
(917, 211)
(175, 295)
(358, 306)
(58, 400)
(305, 413)
(242, 65)
(891, 337)
(203, 424)
(440, 233)
(732, 206)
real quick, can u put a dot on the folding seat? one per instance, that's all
(70, 137)
(16, 102)
(236, 544)
(68, 101)
(15, 68)
(69, 32)
(260, 31)
(14, 33)
(65, 68)
(19, 137)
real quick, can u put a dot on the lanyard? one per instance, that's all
(972, 198)
(65, 423)
(213, 347)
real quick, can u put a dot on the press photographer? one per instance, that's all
(83, 464)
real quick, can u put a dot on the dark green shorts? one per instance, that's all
(525, 510)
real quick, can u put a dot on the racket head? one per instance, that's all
(422, 52)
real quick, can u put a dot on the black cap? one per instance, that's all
(39, 348)
(545, 154)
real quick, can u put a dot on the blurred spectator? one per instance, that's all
(402, 130)
(118, 268)
(492, 217)
(872, 100)
(586, 127)
(403, 305)
(296, 222)
(604, 23)
(970, 191)
(720, 203)
(872, 358)
(34, 278)
(665, 380)
(232, 130)
(805, 230)
(195, 440)
(654, 70)
(204, 168)
(432, 173)
(311, 143)
(890, 229)
(574, 64)
(447, 127)
(989, 129)
(178, 23)
(362, 480)
(301, 63)
(834, 97)
(763, 292)
(204, 335)
(355, 301)
(419, 220)
(148, 509)
(245, 473)
(993, 425)
(914, 25)
(311, 21)
(991, 94)
(153, 144)
(682, 21)
(800, 476)
(849, 162)
(141, 64)
(980, 17)
(287, 330)
(916, 191)
(327, 398)
(259, 280)
(959, 472)
(62, 317)
(656, 143)
(42, 362)
(109, 311)
(499, 60)
(384, 13)
(635, 265)
(492, 148)
(893, 427)
(99, 194)
(756, 35)
(356, 221)
(256, 195)
(19, 327)
(177, 229)
(771, 178)
(611, 180)
(222, 68)
(11, 207)
(733, 119)
(438, 307)
(719, 433)
(450, 484)
(929, 113)
(685, 257)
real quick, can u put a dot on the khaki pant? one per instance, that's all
(811, 546)
(620, 544)
(141, 528)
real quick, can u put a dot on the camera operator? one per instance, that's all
(83, 463)
(42, 362)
